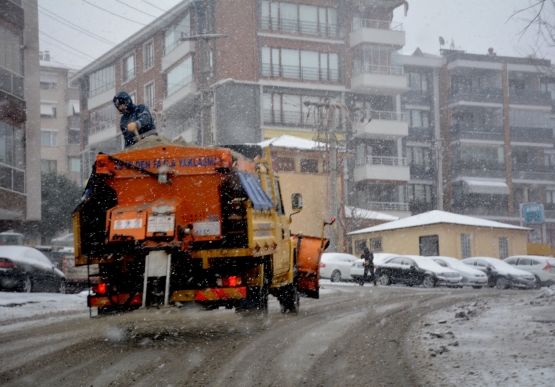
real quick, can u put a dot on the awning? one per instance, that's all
(251, 185)
(75, 106)
(485, 187)
(46, 110)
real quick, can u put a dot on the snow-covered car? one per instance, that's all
(415, 270)
(26, 269)
(501, 274)
(470, 276)
(336, 266)
(543, 268)
(357, 268)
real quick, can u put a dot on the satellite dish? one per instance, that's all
(441, 41)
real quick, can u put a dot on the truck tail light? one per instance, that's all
(99, 288)
(322, 265)
(6, 264)
(229, 281)
(548, 266)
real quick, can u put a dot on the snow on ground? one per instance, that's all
(501, 341)
(16, 306)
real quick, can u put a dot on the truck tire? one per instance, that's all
(290, 301)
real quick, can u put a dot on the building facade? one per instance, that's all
(60, 124)
(20, 196)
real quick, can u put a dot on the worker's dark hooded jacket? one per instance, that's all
(138, 114)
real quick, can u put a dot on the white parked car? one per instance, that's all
(357, 268)
(501, 274)
(470, 276)
(336, 266)
(543, 268)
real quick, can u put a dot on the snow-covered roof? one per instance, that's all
(437, 217)
(286, 141)
(47, 63)
(361, 213)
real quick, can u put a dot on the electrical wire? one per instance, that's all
(152, 5)
(115, 14)
(135, 9)
(70, 52)
(73, 48)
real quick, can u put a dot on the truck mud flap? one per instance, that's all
(309, 251)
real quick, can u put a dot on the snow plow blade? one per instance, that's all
(309, 251)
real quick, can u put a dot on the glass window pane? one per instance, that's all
(289, 17)
(334, 67)
(309, 64)
(290, 63)
(308, 19)
(292, 109)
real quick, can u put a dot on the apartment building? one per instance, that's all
(20, 198)
(497, 125)
(60, 124)
(272, 62)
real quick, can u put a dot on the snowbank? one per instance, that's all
(507, 340)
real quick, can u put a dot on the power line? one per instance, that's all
(135, 9)
(72, 53)
(152, 5)
(115, 14)
(60, 19)
(81, 52)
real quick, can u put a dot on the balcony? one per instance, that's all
(536, 135)
(384, 125)
(294, 26)
(422, 172)
(529, 97)
(533, 172)
(377, 79)
(289, 118)
(300, 73)
(377, 32)
(12, 178)
(460, 93)
(477, 132)
(417, 97)
(178, 91)
(381, 168)
(421, 134)
(477, 169)
(12, 83)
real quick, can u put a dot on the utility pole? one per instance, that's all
(207, 137)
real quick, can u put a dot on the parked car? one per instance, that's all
(415, 270)
(501, 274)
(470, 276)
(357, 268)
(26, 269)
(543, 268)
(336, 266)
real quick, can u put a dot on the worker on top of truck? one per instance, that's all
(136, 121)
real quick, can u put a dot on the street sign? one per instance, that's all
(532, 213)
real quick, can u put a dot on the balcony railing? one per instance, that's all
(12, 178)
(377, 69)
(383, 160)
(173, 88)
(385, 206)
(529, 97)
(102, 125)
(417, 133)
(300, 27)
(533, 168)
(289, 118)
(299, 72)
(482, 94)
(377, 24)
(531, 134)
(387, 116)
(11, 83)
(102, 88)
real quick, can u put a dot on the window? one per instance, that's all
(503, 247)
(174, 33)
(419, 193)
(286, 164)
(150, 100)
(466, 250)
(279, 202)
(482, 154)
(289, 109)
(49, 138)
(103, 118)
(376, 245)
(418, 81)
(429, 245)
(309, 166)
(11, 147)
(419, 118)
(48, 166)
(102, 80)
(299, 64)
(550, 197)
(303, 19)
(10, 51)
(128, 68)
(74, 164)
(548, 86)
(530, 119)
(360, 246)
(148, 55)
(48, 85)
(179, 76)
(73, 136)
(47, 111)
(377, 60)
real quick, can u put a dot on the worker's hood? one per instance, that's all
(123, 98)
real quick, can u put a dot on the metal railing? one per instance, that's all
(299, 72)
(12, 178)
(179, 85)
(102, 126)
(377, 24)
(12, 83)
(385, 206)
(378, 69)
(383, 160)
(387, 116)
(102, 88)
(299, 26)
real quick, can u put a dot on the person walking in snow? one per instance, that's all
(368, 266)
(136, 121)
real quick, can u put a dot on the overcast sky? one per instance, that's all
(77, 31)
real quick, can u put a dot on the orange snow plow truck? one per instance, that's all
(171, 224)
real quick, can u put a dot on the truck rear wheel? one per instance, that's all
(290, 300)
